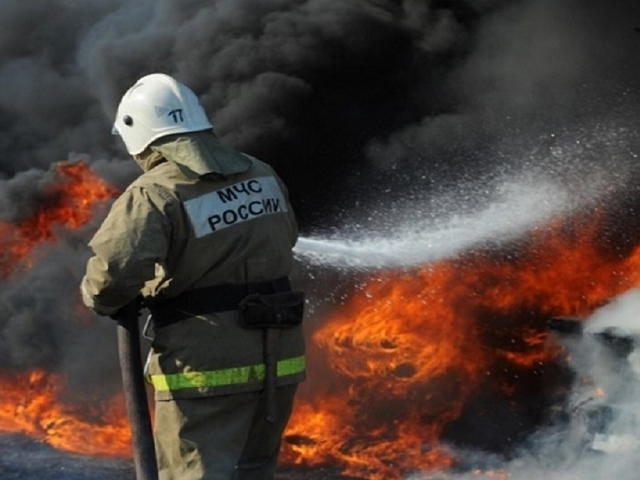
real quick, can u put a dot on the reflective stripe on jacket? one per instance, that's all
(225, 377)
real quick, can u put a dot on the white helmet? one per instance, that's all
(156, 106)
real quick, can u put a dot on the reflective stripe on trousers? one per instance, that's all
(227, 376)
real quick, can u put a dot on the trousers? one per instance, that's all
(223, 437)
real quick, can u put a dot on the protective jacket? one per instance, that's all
(202, 215)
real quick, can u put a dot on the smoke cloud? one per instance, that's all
(599, 436)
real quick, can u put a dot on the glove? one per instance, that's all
(130, 312)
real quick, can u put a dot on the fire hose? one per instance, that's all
(136, 398)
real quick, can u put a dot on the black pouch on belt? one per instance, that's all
(275, 310)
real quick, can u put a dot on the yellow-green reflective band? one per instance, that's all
(228, 376)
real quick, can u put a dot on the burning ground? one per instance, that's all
(423, 362)
(411, 364)
(462, 171)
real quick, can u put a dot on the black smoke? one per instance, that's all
(336, 94)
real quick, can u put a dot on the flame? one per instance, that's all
(68, 202)
(32, 403)
(399, 361)
(389, 371)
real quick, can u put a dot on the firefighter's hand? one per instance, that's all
(130, 312)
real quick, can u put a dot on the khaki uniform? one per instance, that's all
(202, 215)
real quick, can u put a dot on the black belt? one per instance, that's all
(218, 298)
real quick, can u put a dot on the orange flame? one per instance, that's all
(388, 372)
(32, 404)
(69, 203)
(398, 363)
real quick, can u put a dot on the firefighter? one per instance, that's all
(204, 238)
